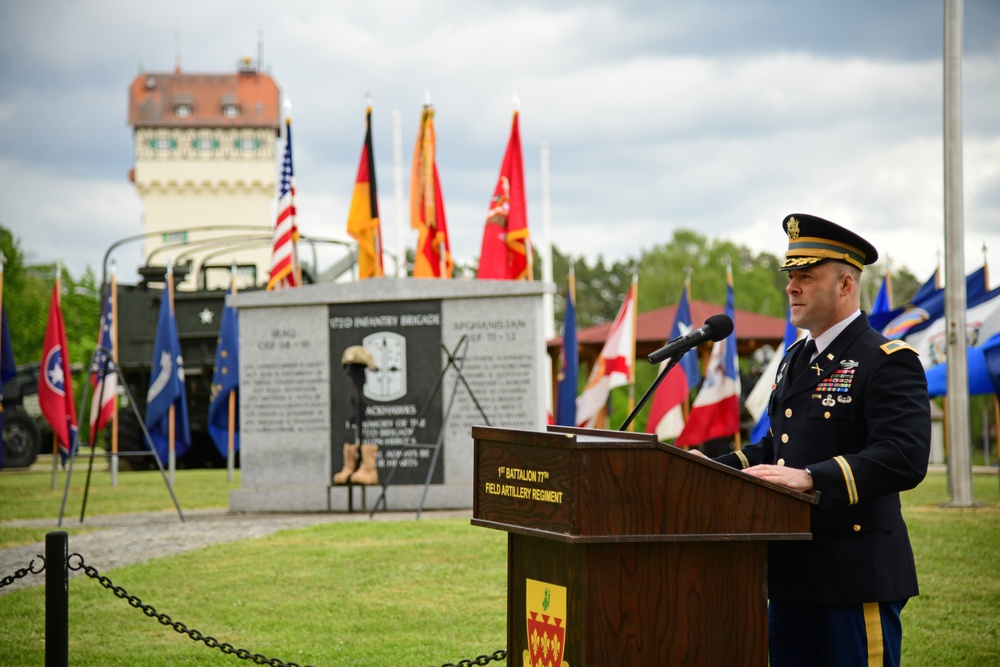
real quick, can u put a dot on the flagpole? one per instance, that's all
(548, 299)
(397, 173)
(114, 362)
(231, 435)
(686, 405)
(171, 429)
(296, 267)
(55, 437)
(635, 327)
(529, 256)
(738, 438)
(570, 296)
(959, 464)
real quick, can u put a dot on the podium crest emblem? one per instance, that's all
(546, 608)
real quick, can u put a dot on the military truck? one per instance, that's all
(22, 437)
(198, 315)
(26, 433)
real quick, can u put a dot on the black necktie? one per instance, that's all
(802, 361)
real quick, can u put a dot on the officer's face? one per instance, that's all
(815, 297)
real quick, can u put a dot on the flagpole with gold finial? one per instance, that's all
(635, 330)
(171, 427)
(286, 106)
(231, 430)
(686, 404)
(55, 438)
(114, 364)
(3, 260)
(996, 399)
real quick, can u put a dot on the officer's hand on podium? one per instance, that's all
(793, 478)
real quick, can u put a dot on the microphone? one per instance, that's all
(715, 328)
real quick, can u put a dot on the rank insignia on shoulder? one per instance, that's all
(896, 346)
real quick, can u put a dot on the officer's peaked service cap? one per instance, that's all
(813, 240)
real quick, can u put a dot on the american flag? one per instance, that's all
(103, 377)
(284, 255)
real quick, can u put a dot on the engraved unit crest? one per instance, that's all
(387, 381)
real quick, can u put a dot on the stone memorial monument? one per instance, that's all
(448, 355)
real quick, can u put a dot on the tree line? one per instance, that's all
(600, 288)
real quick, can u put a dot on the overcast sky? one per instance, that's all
(717, 116)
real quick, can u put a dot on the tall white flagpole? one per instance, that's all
(545, 247)
(398, 190)
(959, 454)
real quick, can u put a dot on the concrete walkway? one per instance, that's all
(126, 539)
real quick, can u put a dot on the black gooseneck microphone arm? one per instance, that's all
(652, 388)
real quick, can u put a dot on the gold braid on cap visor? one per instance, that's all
(815, 249)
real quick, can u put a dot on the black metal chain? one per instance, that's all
(499, 656)
(24, 572)
(76, 562)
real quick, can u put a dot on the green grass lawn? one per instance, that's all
(402, 593)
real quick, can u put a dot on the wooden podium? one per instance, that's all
(625, 551)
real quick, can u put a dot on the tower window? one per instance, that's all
(248, 144)
(205, 144)
(163, 143)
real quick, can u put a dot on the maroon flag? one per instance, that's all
(506, 251)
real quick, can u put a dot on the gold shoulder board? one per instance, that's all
(896, 346)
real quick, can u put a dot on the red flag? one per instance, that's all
(433, 254)
(614, 367)
(284, 254)
(715, 412)
(55, 387)
(362, 220)
(506, 251)
(668, 408)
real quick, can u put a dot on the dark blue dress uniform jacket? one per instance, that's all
(861, 425)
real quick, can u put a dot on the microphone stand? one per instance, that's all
(656, 383)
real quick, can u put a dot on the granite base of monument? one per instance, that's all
(448, 354)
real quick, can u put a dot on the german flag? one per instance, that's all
(362, 221)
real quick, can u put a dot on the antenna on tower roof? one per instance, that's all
(177, 50)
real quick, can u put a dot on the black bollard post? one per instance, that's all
(56, 599)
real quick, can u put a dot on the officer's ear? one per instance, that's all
(849, 280)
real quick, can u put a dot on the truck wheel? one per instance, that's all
(21, 440)
(131, 439)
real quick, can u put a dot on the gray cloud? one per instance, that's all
(719, 117)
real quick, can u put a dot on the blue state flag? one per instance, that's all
(7, 366)
(225, 380)
(991, 359)
(566, 399)
(896, 322)
(923, 313)
(682, 327)
(883, 300)
(791, 335)
(166, 387)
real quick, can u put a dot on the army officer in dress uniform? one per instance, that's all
(850, 418)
